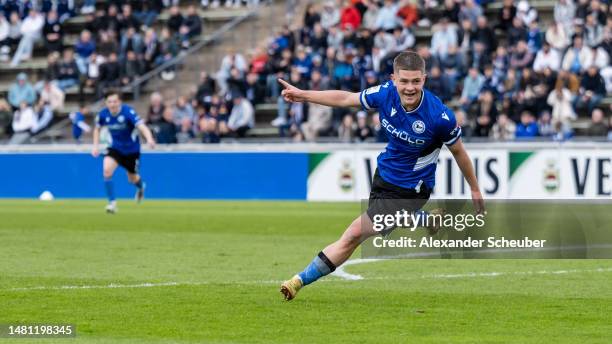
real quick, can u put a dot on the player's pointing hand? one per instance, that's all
(291, 93)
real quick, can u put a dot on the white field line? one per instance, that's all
(343, 275)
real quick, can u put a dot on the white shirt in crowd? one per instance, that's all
(547, 59)
(24, 120)
(32, 25)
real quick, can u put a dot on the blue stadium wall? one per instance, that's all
(222, 175)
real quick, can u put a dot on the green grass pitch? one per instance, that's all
(209, 272)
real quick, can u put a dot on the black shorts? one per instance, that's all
(130, 161)
(386, 198)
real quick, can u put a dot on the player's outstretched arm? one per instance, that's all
(465, 165)
(333, 98)
(148, 135)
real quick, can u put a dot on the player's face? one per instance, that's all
(409, 84)
(113, 103)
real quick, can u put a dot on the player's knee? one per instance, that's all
(133, 178)
(107, 173)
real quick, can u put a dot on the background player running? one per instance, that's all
(417, 124)
(123, 124)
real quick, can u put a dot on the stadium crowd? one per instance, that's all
(514, 77)
(118, 44)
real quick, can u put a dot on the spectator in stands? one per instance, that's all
(156, 108)
(504, 128)
(560, 100)
(534, 38)
(598, 126)
(229, 61)
(516, 33)
(387, 19)
(84, 47)
(592, 90)
(526, 13)
(462, 121)
(470, 10)
(437, 83)
(193, 22)
(165, 129)
(127, 19)
(68, 71)
(610, 128)
(53, 32)
(6, 115)
(557, 37)
(24, 119)
(21, 92)
(485, 35)
(31, 31)
(242, 117)
(369, 17)
(444, 37)
(409, 12)
(148, 11)
(106, 44)
(471, 87)
(577, 58)
(52, 95)
(479, 58)
(255, 92)
(363, 131)
(349, 16)
(346, 130)
(92, 75)
(564, 12)
(5, 43)
(130, 69)
(593, 32)
(527, 128)
(131, 41)
(506, 15)
(184, 117)
(546, 127)
(483, 126)
(547, 57)
(453, 66)
(521, 57)
(110, 74)
(14, 34)
(330, 15)
(601, 59)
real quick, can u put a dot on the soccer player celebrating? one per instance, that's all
(123, 124)
(417, 124)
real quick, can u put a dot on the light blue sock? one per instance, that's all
(319, 267)
(110, 190)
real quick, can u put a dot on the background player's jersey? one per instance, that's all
(415, 137)
(122, 128)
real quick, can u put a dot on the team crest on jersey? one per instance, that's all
(107, 119)
(418, 127)
(373, 89)
(120, 119)
(393, 112)
(445, 116)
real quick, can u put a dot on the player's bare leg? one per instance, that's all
(109, 165)
(331, 257)
(135, 179)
